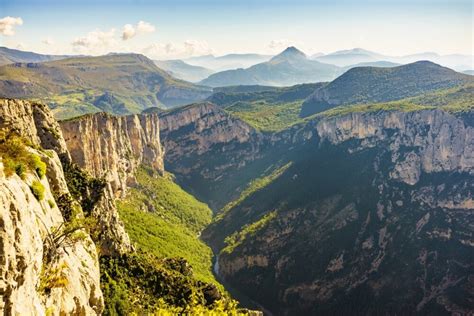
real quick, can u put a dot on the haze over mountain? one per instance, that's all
(358, 55)
(287, 68)
(181, 70)
(226, 62)
(115, 83)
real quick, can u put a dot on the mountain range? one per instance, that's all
(349, 57)
(181, 70)
(287, 68)
(226, 62)
(115, 83)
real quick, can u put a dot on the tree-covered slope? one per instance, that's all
(376, 84)
(267, 109)
(170, 270)
(119, 84)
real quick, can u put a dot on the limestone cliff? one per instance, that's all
(436, 140)
(205, 144)
(39, 272)
(113, 147)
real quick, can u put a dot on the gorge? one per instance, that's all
(308, 206)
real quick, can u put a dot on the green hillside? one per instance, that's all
(119, 84)
(375, 84)
(265, 108)
(454, 100)
(164, 220)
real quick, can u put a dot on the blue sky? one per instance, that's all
(180, 28)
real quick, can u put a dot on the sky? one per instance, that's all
(183, 28)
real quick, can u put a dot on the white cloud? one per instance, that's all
(279, 44)
(48, 41)
(7, 25)
(129, 31)
(182, 50)
(95, 42)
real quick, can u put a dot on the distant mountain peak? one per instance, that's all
(356, 50)
(290, 53)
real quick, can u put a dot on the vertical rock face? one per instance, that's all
(113, 147)
(31, 283)
(34, 122)
(422, 141)
(206, 145)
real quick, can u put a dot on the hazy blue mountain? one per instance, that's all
(350, 57)
(377, 84)
(184, 71)
(227, 62)
(9, 56)
(469, 72)
(288, 68)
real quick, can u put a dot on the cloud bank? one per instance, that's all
(95, 42)
(129, 31)
(181, 50)
(7, 25)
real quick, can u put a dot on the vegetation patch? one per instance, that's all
(84, 188)
(248, 230)
(52, 277)
(268, 109)
(267, 117)
(37, 189)
(161, 196)
(403, 106)
(17, 158)
(143, 284)
(253, 187)
(163, 220)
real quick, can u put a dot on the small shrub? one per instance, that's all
(51, 203)
(37, 189)
(20, 170)
(39, 166)
(52, 277)
(84, 188)
(16, 158)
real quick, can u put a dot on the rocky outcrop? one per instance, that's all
(206, 144)
(197, 128)
(419, 141)
(34, 279)
(34, 122)
(113, 147)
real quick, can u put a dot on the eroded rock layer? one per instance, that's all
(112, 147)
